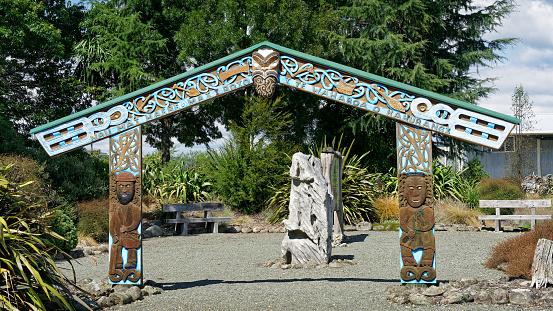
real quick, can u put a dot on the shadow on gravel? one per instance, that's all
(355, 238)
(184, 285)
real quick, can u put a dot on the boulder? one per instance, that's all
(153, 231)
(309, 226)
(521, 296)
(500, 296)
(364, 226)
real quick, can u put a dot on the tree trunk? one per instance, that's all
(165, 141)
(542, 267)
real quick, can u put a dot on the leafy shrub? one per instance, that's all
(254, 157)
(31, 280)
(474, 171)
(94, 219)
(515, 255)
(387, 208)
(451, 211)
(76, 176)
(64, 226)
(498, 189)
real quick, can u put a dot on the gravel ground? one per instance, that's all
(218, 272)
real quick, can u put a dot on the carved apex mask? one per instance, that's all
(265, 63)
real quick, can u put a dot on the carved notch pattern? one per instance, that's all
(414, 149)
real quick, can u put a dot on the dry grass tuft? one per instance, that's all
(450, 211)
(515, 255)
(386, 208)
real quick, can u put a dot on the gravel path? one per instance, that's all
(218, 272)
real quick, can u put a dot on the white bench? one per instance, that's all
(205, 207)
(499, 204)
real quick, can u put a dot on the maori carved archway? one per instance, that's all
(418, 113)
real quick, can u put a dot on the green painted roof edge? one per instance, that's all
(295, 53)
(394, 84)
(147, 89)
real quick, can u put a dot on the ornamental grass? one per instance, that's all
(515, 255)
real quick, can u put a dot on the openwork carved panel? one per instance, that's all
(414, 149)
(125, 208)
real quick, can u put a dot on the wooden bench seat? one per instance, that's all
(499, 204)
(211, 222)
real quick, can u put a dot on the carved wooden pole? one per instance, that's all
(332, 170)
(416, 213)
(125, 207)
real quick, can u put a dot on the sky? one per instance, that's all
(528, 63)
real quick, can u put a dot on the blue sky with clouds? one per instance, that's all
(529, 63)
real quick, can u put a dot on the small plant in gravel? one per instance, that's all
(515, 255)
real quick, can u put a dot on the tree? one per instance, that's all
(129, 45)
(433, 45)
(36, 76)
(518, 160)
(254, 156)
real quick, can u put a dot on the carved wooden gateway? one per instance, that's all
(418, 113)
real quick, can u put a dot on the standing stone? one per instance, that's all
(309, 226)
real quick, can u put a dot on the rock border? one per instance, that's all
(498, 291)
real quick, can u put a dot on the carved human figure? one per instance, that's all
(416, 222)
(124, 218)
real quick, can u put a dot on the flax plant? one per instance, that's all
(30, 280)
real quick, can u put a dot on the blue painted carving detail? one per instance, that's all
(201, 87)
(349, 90)
(330, 79)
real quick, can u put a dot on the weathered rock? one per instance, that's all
(349, 228)
(547, 298)
(419, 299)
(234, 229)
(521, 296)
(396, 289)
(256, 230)
(284, 267)
(454, 297)
(153, 231)
(274, 230)
(120, 298)
(309, 226)
(310, 264)
(105, 302)
(483, 297)
(500, 296)
(135, 293)
(149, 290)
(378, 228)
(247, 230)
(103, 248)
(121, 288)
(469, 281)
(433, 291)
(364, 226)
(335, 264)
(263, 231)
(87, 250)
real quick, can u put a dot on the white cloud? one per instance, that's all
(530, 63)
